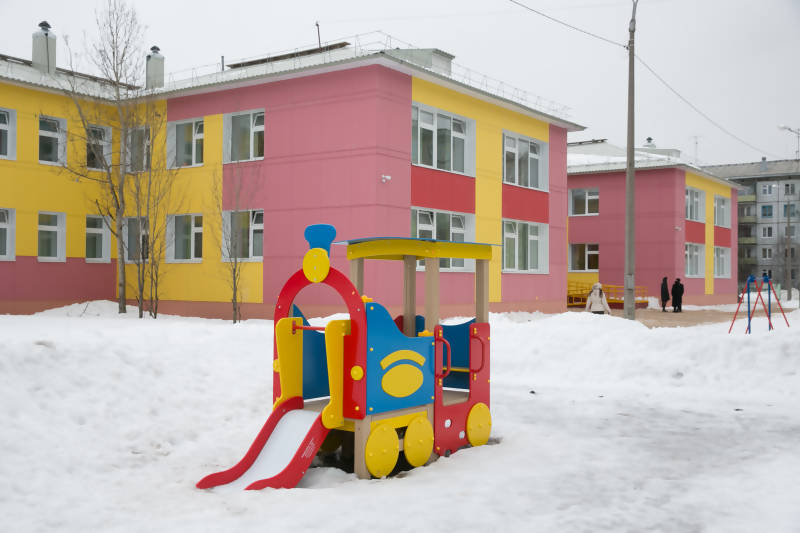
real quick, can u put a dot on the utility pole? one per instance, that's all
(787, 274)
(319, 39)
(630, 233)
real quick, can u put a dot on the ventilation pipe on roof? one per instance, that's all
(154, 75)
(44, 49)
(649, 143)
(763, 163)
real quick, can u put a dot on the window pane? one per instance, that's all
(578, 257)
(48, 243)
(426, 147)
(258, 144)
(94, 222)
(258, 217)
(198, 151)
(443, 142)
(258, 120)
(94, 246)
(593, 205)
(48, 220)
(183, 144)
(198, 128)
(426, 118)
(594, 261)
(240, 137)
(48, 149)
(522, 242)
(240, 234)
(579, 201)
(509, 252)
(198, 244)
(3, 240)
(3, 118)
(182, 237)
(443, 226)
(3, 142)
(510, 175)
(48, 124)
(258, 243)
(458, 154)
(533, 250)
(133, 238)
(414, 135)
(533, 169)
(459, 127)
(522, 164)
(3, 216)
(414, 223)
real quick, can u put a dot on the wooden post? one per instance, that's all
(409, 295)
(357, 274)
(481, 290)
(431, 292)
(360, 436)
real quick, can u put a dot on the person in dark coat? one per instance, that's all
(664, 294)
(677, 296)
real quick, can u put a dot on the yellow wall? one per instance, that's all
(490, 120)
(711, 188)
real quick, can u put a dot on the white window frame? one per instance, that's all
(722, 211)
(766, 232)
(766, 252)
(105, 143)
(146, 233)
(692, 250)
(541, 160)
(198, 134)
(789, 231)
(105, 235)
(587, 253)
(61, 237)
(468, 137)
(227, 134)
(722, 262)
(465, 234)
(61, 138)
(695, 204)
(193, 231)
(589, 194)
(788, 189)
(146, 149)
(10, 227)
(511, 231)
(766, 189)
(254, 226)
(10, 128)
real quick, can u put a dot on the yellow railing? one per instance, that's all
(577, 293)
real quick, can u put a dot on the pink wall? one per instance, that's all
(530, 291)
(659, 211)
(27, 278)
(328, 138)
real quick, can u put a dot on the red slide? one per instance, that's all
(281, 453)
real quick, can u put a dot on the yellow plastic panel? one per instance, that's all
(400, 355)
(290, 358)
(382, 450)
(479, 424)
(332, 414)
(402, 380)
(418, 441)
(316, 265)
(398, 248)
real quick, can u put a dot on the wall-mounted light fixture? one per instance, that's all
(385, 178)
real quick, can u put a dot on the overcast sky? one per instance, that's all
(737, 61)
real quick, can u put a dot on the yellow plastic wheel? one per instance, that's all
(382, 450)
(418, 442)
(479, 424)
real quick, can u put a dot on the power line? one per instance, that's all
(653, 72)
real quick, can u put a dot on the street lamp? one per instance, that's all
(796, 132)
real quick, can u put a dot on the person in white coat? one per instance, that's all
(596, 301)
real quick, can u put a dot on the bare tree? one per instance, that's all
(107, 109)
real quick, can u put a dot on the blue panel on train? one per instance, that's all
(458, 337)
(315, 361)
(399, 368)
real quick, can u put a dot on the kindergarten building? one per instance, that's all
(685, 220)
(377, 141)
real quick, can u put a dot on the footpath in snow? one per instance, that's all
(599, 424)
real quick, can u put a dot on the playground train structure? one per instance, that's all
(371, 388)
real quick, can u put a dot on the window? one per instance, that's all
(722, 211)
(98, 147)
(722, 262)
(525, 247)
(584, 202)
(766, 211)
(7, 227)
(788, 231)
(788, 189)
(524, 162)
(243, 235)
(136, 239)
(747, 252)
(766, 188)
(52, 140)
(766, 253)
(8, 134)
(584, 257)
(243, 136)
(793, 273)
(746, 231)
(52, 233)
(444, 226)
(786, 252)
(98, 240)
(185, 238)
(139, 150)
(693, 256)
(695, 205)
(789, 211)
(185, 143)
(766, 231)
(745, 210)
(441, 140)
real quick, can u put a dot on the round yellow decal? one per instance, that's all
(402, 380)
(316, 265)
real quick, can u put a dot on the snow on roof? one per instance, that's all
(601, 156)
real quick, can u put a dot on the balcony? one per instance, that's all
(747, 240)
(748, 261)
(750, 219)
(745, 198)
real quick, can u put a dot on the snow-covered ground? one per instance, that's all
(600, 424)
